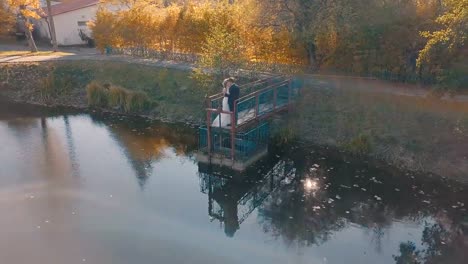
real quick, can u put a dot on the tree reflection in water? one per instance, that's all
(305, 198)
(442, 244)
(144, 142)
(71, 146)
(351, 191)
(301, 197)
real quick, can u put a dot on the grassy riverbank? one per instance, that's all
(407, 128)
(416, 132)
(173, 94)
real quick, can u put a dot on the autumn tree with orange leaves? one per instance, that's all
(25, 11)
(7, 18)
(398, 40)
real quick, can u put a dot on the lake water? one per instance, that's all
(80, 188)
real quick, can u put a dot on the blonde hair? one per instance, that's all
(230, 79)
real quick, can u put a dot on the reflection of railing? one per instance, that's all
(247, 195)
(270, 182)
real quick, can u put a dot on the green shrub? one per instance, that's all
(117, 97)
(136, 102)
(97, 94)
(452, 79)
(360, 145)
(46, 87)
(53, 87)
(108, 95)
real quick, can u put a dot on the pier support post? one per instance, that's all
(233, 135)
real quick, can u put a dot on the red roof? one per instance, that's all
(71, 5)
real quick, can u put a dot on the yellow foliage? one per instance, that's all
(450, 38)
(26, 8)
(187, 28)
(359, 37)
(104, 29)
(7, 18)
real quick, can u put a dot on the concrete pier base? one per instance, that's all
(237, 165)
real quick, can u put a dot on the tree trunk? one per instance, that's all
(29, 36)
(311, 56)
(51, 26)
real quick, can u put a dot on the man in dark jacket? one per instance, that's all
(232, 92)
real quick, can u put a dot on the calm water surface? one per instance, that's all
(81, 188)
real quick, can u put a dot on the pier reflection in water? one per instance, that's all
(233, 196)
(119, 190)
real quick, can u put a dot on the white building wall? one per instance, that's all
(67, 25)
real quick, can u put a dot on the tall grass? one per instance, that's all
(53, 87)
(177, 95)
(360, 145)
(116, 97)
(97, 94)
(136, 102)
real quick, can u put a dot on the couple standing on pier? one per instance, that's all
(231, 93)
